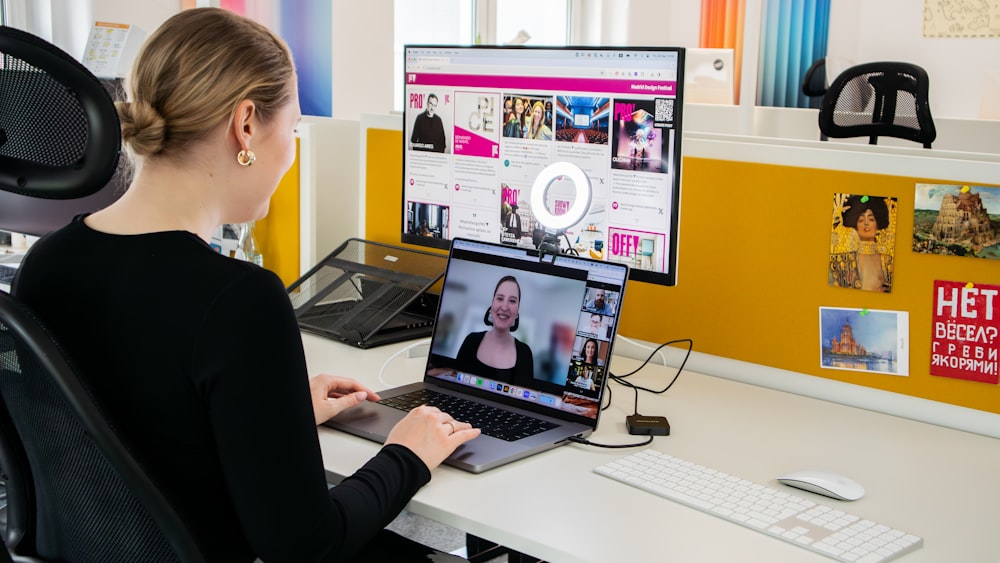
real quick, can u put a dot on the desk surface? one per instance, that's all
(938, 483)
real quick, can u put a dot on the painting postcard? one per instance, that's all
(864, 340)
(862, 242)
(957, 220)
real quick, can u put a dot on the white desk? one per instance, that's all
(938, 483)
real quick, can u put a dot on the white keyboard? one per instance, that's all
(785, 516)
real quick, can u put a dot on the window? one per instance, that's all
(462, 22)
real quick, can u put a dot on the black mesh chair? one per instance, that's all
(60, 138)
(880, 99)
(74, 491)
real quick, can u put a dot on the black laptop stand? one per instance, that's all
(368, 294)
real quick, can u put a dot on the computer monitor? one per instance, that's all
(481, 122)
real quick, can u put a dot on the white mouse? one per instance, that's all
(824, 483)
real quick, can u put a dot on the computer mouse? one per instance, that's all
(824, 483)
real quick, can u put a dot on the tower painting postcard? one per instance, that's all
(965, 343)
(864, 340)
(863, 242)
(957, 220)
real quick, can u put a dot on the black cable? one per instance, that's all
(587, 442)
(636, 388)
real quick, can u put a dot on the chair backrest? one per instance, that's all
(879, 99)
(60, 138)
(75, 492)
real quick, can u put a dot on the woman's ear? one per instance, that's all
(244, 123)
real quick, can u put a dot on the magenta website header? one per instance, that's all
(625, 85)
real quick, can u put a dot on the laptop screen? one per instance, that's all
(536, 331)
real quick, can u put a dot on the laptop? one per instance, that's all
(538, 393)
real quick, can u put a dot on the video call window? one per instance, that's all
(556, 360)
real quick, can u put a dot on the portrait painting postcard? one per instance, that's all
(863, 242)
(864, 340)
(957, 220)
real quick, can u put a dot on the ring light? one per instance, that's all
(581, 199)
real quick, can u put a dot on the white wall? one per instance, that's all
(144, 14)
(892, 30)
(671, 23)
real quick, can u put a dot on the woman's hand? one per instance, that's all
(431, 434)
(333, 394)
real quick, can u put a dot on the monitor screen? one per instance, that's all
(481, 122)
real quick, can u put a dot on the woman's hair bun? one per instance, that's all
(144, 130)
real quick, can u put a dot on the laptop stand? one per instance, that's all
(368, 294)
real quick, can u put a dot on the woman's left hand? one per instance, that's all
(332, 394)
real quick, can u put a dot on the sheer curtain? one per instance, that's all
(793, 34)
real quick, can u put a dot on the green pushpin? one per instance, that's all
(864, 199)
(864, 312)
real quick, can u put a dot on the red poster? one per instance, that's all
(964, 339)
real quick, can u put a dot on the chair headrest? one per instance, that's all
(59, 132)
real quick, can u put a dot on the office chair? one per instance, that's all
(60, 138)
(814, 82)
(880, 99)
(75, 491)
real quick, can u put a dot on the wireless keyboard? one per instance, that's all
(785, 516)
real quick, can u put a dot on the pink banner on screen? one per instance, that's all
(611, 86)
(468, 143)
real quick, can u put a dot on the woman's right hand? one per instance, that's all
(431, 434)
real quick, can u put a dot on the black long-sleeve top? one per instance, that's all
(198, 361)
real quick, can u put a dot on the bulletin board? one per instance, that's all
(752, 269)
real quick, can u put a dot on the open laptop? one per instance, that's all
(566, 318)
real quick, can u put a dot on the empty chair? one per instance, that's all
(879, 99)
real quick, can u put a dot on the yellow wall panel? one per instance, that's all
(754, 249)
(278, 233)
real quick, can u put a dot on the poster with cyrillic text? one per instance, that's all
(965, 343)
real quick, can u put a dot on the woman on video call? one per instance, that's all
(495, 353)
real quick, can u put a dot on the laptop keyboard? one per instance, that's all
(492, 421)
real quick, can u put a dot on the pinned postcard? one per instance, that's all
(964, 339)
(863, 242)
(957, 220)
(864, 340)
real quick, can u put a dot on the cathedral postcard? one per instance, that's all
(957, 220)
(864, 340)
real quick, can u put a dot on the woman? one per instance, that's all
(197, 357)
(515, 125)
(495, 353)
(861, 256)
(539, 130)
(586, 379)
(589, 353)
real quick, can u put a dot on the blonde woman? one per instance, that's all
(197, 357)
(538, 130)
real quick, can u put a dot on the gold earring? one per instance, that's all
(245, 157)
